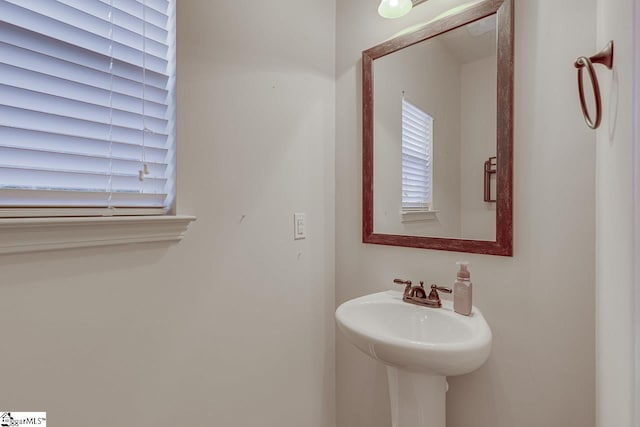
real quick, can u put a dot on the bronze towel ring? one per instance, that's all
(604, 57)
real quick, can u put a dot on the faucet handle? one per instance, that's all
(435, 296)
(402, 282)
(441, 289)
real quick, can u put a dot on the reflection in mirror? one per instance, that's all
(434, 129)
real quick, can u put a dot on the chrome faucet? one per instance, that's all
(418, 295)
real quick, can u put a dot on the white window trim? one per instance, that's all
(21, 235)
(25, 230)
(416, 215)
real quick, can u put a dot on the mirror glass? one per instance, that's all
(437, 109)
(434, 129)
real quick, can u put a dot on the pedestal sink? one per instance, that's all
(420, 347)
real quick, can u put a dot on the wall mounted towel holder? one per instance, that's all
(490, 168)
(604, 57)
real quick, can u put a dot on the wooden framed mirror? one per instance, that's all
(438, 134)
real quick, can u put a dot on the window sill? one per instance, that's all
(418, 215)
(19, 235)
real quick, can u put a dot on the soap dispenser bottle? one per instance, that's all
(462, 290)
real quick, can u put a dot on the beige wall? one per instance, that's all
(233, 326)
(615, 208)
(540, 303)
(477, 144)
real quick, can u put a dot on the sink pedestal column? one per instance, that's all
(417, 399)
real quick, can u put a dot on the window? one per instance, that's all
(86, 107)
(417, 155)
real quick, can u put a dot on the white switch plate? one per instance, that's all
(299, 231)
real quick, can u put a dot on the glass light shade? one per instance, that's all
(394, 8)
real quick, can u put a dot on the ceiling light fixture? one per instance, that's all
(394, 8)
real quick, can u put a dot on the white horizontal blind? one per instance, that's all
(86, 107)
(417, 163)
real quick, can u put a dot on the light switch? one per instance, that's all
(299, 226)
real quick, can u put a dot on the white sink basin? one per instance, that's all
(414, 338)
(420, 347)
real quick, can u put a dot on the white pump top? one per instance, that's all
(463, 272)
